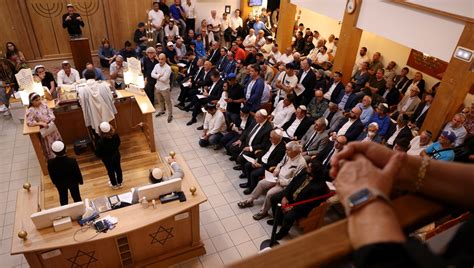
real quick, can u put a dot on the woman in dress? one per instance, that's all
(39, 114)
(15, 56)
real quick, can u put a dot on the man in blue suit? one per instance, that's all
(230, 65)
(254, 88)
(347, 99)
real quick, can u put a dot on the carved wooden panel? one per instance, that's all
(427, 64)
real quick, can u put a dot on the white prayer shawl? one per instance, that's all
(97, 103)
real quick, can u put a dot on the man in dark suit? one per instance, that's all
(64, 173)
(350, 127)
(333, 146)
(269, 157)
(230, 65)
(335, 87)
(204, 80)
(214, 53)
(401, 81)
(417, 81)
(347, 99)
(400, 131)
(302, 187)
(421, 111)
(254, 88)
(189, 82)
(210, 94)
(254, 138)
(298, 124)
(306, 82)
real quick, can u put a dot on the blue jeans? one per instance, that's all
(212, 140)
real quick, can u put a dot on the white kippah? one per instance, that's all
(302, 107)
(57, 146)
(263, 112)
(104, 127)
(157, 173)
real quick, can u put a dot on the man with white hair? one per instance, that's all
(249, 40)
(148, 64)
(162, 73)
(457, 126)
(117, 68)
(213, 128)
(315, 139)
(64, 173)
(292, 164)
(371, 134)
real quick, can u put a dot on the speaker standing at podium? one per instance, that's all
(73, 22)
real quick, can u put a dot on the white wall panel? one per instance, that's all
(330, 8)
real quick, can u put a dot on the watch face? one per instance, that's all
(360, 197)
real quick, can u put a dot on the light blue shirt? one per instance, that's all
(366, 113)
(433, 149)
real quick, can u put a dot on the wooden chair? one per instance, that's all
(315, 218)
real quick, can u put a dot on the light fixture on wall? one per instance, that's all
(463, 54)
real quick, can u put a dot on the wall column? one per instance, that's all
(456, 83)
(349, 40)
(286, 20)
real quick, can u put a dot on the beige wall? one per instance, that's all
(324, 25)
(391, 50)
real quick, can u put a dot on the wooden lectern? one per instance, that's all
(81, 53)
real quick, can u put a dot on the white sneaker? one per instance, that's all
(3, 108)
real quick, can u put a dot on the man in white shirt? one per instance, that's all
(156, 18)
(286, 82)
(287, 57)
(457, 126)
(283, 111)
(162, 73)
(236, 23)
(420, 143)
(249, 41)
(213, 128)
(361, 58)
(215, 22)
(171, 31)
(274, 56)
(190, 11)
(117, 69)
(322, 56)
(68, 75)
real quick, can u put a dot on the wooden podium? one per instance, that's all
(81, 53)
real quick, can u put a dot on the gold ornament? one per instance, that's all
(172, 154)
(22, 235)
(27, 186)
(192, 189)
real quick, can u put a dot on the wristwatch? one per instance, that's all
(363, 197)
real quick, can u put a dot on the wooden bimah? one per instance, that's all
(81, 52)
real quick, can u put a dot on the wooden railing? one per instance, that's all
(330, 244)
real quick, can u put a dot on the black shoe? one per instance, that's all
(244, 185)
(242, 176)
(270, 222)
(192, 121)
(159, 114)
(170, 118)
(179, 105)
(237, 167)
(232, 158)
(280, 235)
(247, 191)
(200, 128)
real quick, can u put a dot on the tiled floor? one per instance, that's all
(229, 233)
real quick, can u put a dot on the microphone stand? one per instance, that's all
(268, 243)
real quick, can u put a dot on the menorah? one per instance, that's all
(88, 9)
(49, 11)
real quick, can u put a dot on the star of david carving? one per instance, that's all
(162, 235)
(82, 259)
